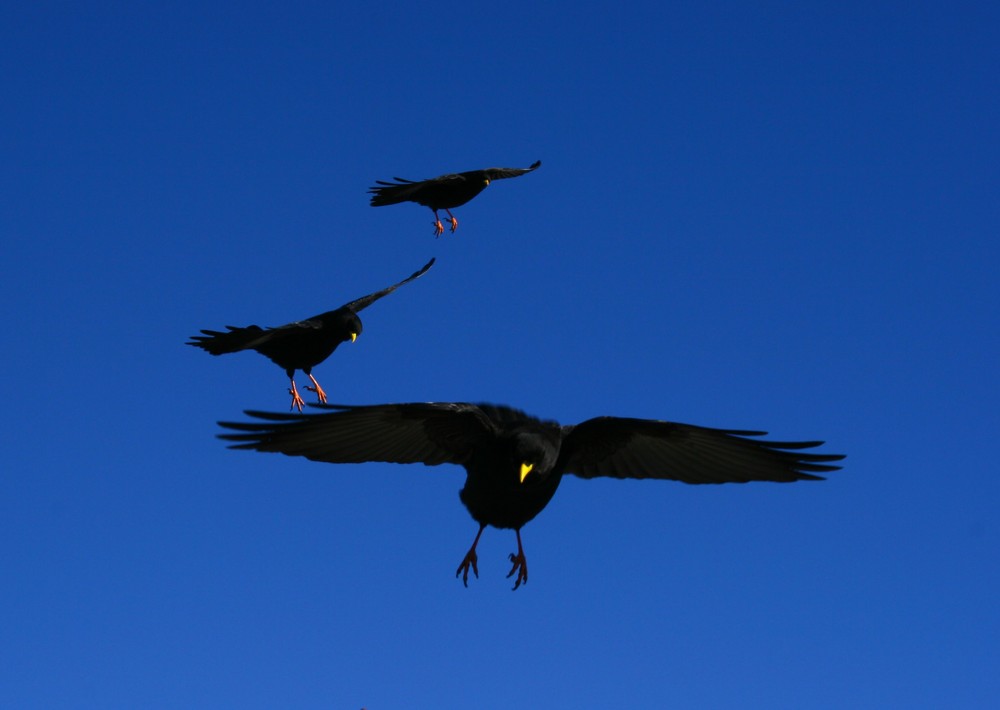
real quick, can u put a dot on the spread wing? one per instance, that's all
(429, 433)
(366, 301)
(644, 448)
(500, 173)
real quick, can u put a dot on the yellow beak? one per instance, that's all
(525, 470)
(354, 336)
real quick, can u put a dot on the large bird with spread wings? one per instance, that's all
(514, 462)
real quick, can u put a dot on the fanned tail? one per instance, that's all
(219, 343)
(391, 193)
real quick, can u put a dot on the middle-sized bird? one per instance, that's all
(300, 345)
(514, 462)
(445, 192)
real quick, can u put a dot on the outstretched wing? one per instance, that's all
(366, 301)
(501, 173)
(645, 448)
(429, 433)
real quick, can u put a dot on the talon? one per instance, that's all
(297, 401)
(438, 228)
(317, 389)
(520, 563)
(470, 560)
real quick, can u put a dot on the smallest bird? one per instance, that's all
(300, 345)
(445, 192)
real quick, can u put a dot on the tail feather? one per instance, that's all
(388, 193)
(219, 343)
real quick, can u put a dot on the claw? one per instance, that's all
(438, 228)
(297, 401)
(520, 564)
(317, 389)
(521, 567)
(470, 560)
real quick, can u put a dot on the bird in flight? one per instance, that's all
(514, 462)
(300, 345)
(444, 192)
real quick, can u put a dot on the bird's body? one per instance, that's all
(300, 345)
(445, 192)
(494, 493)
(514, 462)
(294, 346)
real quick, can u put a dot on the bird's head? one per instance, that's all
(352, 327)
(533, 455)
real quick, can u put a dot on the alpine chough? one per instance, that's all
(514, 461)
(444, 192)
(300, 345)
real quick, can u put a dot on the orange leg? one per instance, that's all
(296, 399)
(454, 222)
(317, 389)
(520, 564)
(470, 560)
(438, 227)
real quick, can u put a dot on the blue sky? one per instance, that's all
(770, 216)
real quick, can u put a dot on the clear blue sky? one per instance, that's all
(780, 216)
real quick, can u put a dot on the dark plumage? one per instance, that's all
(300, 345)
(444, 192)
(514, 461)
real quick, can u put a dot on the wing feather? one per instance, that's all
(428, 433)
(501, 173)
(643, 448)
(365, 301)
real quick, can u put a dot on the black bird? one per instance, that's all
(443, 192)
(514, 461)
(300, 345)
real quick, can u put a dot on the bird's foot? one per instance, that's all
(470, 561)
(520, 566)
(297, 401)
(438, 228)
(317, 389)
(319, 393)
(454, 225)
